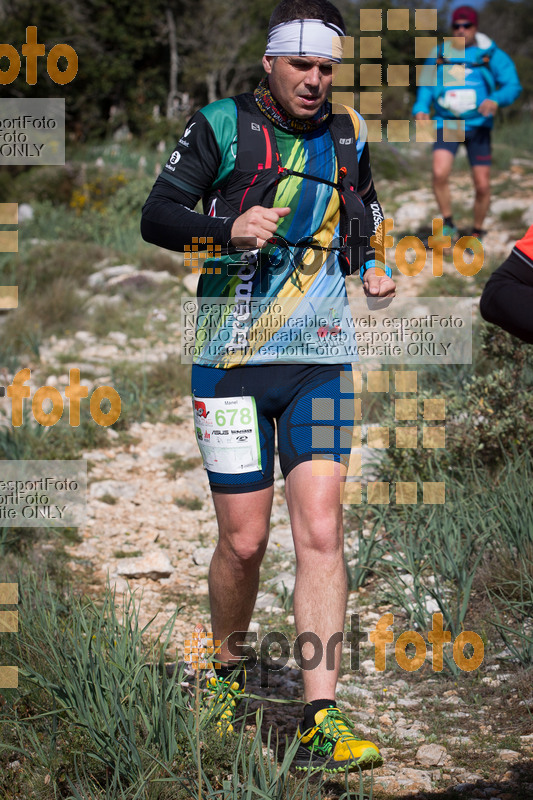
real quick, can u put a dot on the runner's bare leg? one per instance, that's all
(321, 586)
(244, 523)
(481, 176)
(442, 167)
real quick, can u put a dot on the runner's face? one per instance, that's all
(300, 84)
(468, 34)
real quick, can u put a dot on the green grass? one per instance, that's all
(32, 441)
(510, 141)
(149, 393)
(177, 464)
(192, 503)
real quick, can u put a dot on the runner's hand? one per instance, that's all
(422, 115)
(256, 226)
(488, 108)
(378, 285)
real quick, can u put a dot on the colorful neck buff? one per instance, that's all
(306, 37)
(281, 118)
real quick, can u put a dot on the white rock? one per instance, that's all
(358, 691)
(141, 277)
(120, 585)
(118, 337)
(504, 204)
(524, 162)
(152, 565)
(85, 336)
(369, 666)
(193, 484)
(100, 300)
(527, 216)
(411, 215)
(472, 777)
(412, 779)
(99, 278)
(406, 702)
(190, 282)
(128, 490)
(284, 579)
(281, 536)
(95, 455)
(453, 701)
(101, 352)
(411, 733)
(459, 740)
(508, 756)
(266, 601)
(432, 755)
(202, 556)
(400, 685)
(186, 448)
(25, 212)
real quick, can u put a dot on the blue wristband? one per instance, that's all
(373, 263)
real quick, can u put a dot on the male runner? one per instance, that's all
(272, 348)
(465, 79)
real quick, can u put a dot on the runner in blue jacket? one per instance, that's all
(465, 87)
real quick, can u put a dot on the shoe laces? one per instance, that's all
(338, 724)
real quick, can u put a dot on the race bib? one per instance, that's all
(227, 433)
(459, 101)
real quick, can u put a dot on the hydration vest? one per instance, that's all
(258, 171)
(483, 64)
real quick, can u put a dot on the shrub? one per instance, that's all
(487, 415)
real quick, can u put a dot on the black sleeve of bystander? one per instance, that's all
(507, 299)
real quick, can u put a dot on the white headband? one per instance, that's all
(306, 37)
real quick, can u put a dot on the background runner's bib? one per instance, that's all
(459, 101)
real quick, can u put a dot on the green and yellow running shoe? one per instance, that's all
(220, 702)
(330, 745)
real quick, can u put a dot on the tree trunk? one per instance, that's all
(174, 63)
(211, 83)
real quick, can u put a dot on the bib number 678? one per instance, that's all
(227, 418)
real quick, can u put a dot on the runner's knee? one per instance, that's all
(322, 537)
(482, 187)
(246, 546)
(440, 176)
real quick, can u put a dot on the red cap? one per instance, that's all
(466, 13)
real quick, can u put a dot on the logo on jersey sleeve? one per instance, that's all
(186, 133)
(173, 160)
